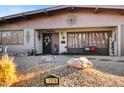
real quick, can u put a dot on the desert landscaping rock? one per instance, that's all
(81, 62)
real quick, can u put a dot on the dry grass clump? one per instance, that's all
(7, 71)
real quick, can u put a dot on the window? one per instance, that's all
(75, 40)
(6, 37)
(82, 39)
(12, 37)
(20, 37)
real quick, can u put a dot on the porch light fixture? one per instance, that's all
(61, 33)
(63, 37)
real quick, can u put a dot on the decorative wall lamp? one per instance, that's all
(63, 37)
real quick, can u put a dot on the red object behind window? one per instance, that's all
(93, 49)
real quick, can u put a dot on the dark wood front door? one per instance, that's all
(50, 43)
(46, 43)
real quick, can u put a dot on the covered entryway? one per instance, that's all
(89, 42)
(51, 43)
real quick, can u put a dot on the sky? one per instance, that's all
(14, 9)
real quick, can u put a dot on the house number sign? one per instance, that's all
(51, 80)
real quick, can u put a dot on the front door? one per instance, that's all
(46, 43)
(51, 43)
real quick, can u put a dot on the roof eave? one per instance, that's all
(57, 8)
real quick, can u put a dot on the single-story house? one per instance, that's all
(86, 29)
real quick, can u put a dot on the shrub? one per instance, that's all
(7, 71)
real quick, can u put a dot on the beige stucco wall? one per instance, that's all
(59, 21)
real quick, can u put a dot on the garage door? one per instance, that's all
(79, 41)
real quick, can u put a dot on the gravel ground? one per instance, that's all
(106, 72)
(70, 77)
(27, 63)
(108, 65)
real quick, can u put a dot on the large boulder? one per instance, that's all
(80, 62)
